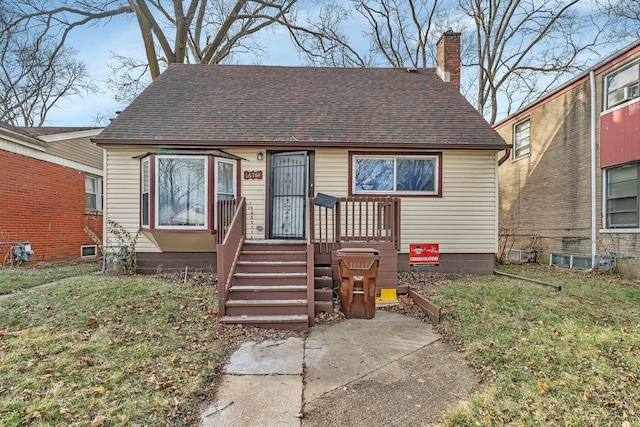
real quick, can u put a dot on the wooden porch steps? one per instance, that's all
(294, 322)
(269, 286)
(323, 289)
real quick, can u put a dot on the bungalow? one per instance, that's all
(214, 163)
(50, 190)
(569, 191)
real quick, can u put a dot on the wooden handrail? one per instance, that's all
(231, 235)
(311, 309)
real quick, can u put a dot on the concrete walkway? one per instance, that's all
(390, 370)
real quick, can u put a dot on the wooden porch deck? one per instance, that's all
(247, 288)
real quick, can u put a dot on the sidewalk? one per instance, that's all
(391, 370)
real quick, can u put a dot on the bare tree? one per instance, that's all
(512, 50)
(194, 31)
(399, 33)
(625, 17)
(524, 47)
(34, 74)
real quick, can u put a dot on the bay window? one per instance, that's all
(179, 191)
(400, 174)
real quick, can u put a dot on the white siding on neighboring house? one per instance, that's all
(463, 220)
(45, 154)
(80, 150)
(122, 193)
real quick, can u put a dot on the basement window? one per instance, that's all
(88, 251)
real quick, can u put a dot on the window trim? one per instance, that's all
(98, 193)
(517, 156)
(148, 162)
(83, 247)
(606, 226)
(209, 191)
(624, 100)
(354, 156)
(207, 225)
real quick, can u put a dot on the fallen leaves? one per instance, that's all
(543, 388)
(98, 421)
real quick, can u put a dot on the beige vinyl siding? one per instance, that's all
(332, 173)
(253, 190)
(122, 193)
(80, 150)
(463, 220)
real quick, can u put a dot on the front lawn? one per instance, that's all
(108, 351)
(136, 351)
(14, 279)
(547, 358)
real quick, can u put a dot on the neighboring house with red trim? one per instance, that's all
(570, 187)
(50, 190)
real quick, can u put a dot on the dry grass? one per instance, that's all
(547, 358)
(135, 351)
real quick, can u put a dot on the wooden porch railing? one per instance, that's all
(356, 218)
(231, 233)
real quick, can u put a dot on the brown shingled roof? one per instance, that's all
(247, 104)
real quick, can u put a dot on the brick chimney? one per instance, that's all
(448, 57)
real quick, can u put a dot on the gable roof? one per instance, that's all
(239, 105)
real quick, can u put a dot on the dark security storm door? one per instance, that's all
(288, 194)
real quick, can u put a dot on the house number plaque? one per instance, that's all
(252, 174)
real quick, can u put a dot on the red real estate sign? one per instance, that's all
(424, 253)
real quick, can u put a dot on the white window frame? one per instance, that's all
(157, 193)
(395, 158)
(518, 147)
(607, 228)
(83, 247)
(627, 92)
(233, 163)
(216, 193)
(145, 169)
(98, 194)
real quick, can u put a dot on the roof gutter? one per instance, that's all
(199, 144)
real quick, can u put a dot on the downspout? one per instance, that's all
(592, 80)
(504, 158)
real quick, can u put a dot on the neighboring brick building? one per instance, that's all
(50, 189)
(550, 200)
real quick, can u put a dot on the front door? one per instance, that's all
(288, 194)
